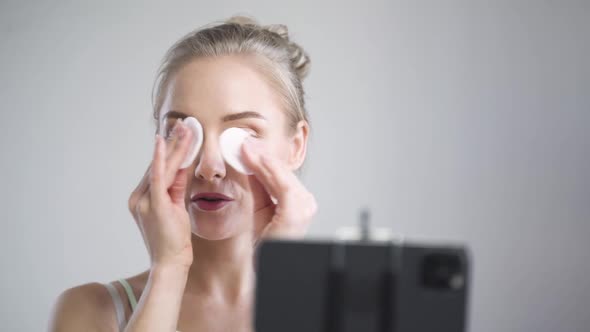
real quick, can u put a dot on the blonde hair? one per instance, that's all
(284, 62)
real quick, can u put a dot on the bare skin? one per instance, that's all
(201, 276)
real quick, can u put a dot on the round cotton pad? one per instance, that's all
(231, 141)
(194, 125)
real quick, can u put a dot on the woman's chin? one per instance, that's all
(212, 235)
(214, 226)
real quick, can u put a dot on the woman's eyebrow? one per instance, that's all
(243, 115)
(175, 114)
(230, 117)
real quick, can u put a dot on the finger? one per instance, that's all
(138, 220)
(252, 151)
(276, 177)
(172, 139)
(262, 217)
(157, 185)
(140, 190)
(177, 156)
(178, 187)
(144, 183)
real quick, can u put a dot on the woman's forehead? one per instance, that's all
(221, 86)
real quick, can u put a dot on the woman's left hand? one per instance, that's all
(295, 205)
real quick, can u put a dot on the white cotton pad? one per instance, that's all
(194, 125)
(231, 141)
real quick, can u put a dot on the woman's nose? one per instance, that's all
(210, 165)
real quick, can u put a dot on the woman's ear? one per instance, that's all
(298, 145)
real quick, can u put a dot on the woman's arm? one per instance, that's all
(159, 305)
(158, 207)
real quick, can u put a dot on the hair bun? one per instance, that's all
(241, 20)
(279, 29)
(299, 58)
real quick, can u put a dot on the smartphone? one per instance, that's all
(336, 286)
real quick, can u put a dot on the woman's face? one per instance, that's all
(224, 92)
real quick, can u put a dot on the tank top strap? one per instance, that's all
(130, 295)
(129, 291)
(119, 308)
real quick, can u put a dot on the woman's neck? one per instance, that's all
(222, 270)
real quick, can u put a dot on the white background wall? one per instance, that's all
(452, 120)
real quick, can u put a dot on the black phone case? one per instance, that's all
(324, 286)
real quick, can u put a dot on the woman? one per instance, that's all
(201, 278)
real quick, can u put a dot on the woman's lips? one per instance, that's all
(211, 205)
(210, 201)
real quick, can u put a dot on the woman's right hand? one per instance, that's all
(158, 202)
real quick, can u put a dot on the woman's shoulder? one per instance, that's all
(90, 307)
(87, 307)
